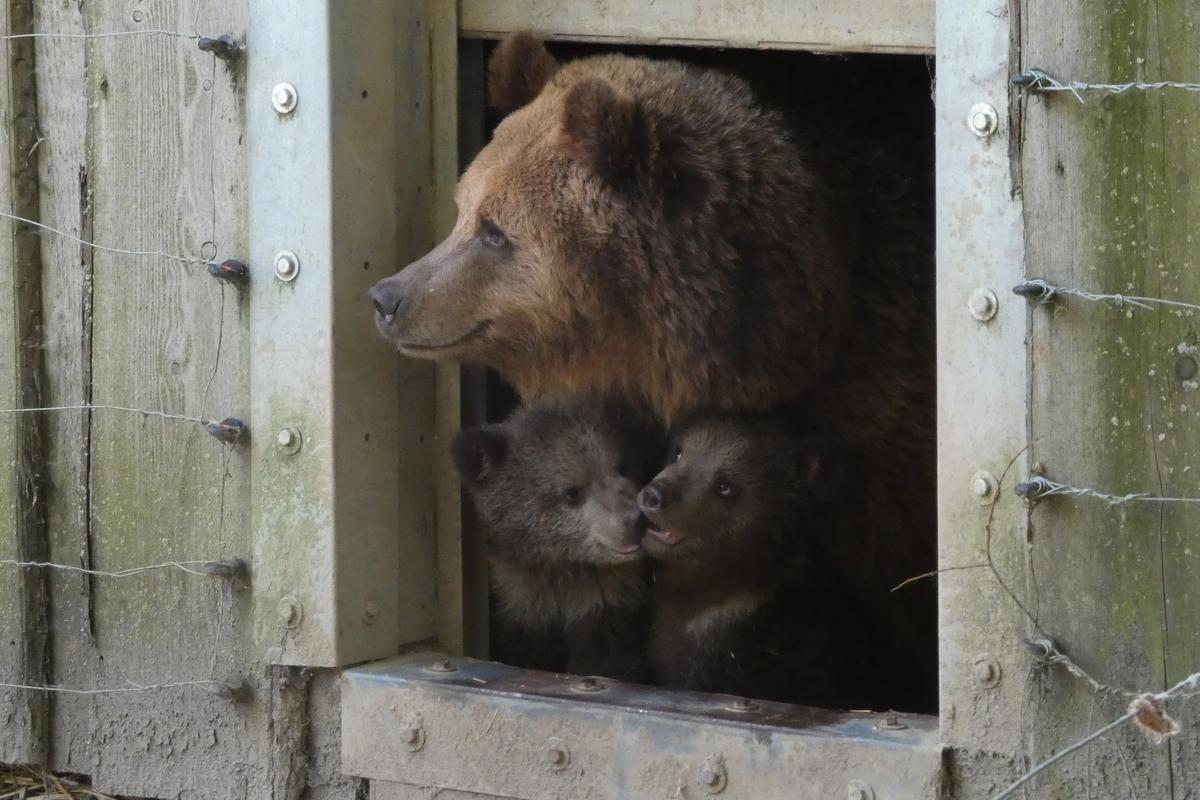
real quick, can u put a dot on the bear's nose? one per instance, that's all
(386, 297)
(652, 499)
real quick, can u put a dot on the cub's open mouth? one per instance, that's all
(423, 347)
(666, 537)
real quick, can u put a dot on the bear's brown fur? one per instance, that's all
(647, 227)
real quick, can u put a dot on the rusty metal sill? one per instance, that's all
(498, 730)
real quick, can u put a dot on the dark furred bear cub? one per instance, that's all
(555, 487)
(744, 603)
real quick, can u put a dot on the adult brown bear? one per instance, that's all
(647, 227)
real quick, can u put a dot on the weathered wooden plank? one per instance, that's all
(898, 26)
(24, 714)
(164, 167)
(1107, 209)
(981, 405)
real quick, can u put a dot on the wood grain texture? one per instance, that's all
(1109, 207)
(902, 26)
(25, 654)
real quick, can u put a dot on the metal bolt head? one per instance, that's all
(859, 790)
(1185, 368)
(289, 441)
(987, 672)
(290, 612)
(370, 611)
(983, 304)
(412, 732)
(891, 723)
(742, 706)
(713, 776)
(983, 120)
(443, 665)
(983, 486)
(287, 266)
(558, 755)
(587, 686)
(284, 98)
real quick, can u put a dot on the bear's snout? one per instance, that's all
(652, 498)
(387, 296)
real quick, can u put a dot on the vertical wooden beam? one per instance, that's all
(24, 606)
(1111, 199)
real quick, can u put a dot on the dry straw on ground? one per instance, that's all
(24, 783)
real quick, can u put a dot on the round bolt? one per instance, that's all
(558, 755)
(712, 774)
(859, 790)
(1185, 368)
(412, 732)
(284, 98)
(987, 672)
(983, 304)
(138, 16)
(742, 706)
(442, 666)
(370, 611)
(587, 686)
(983, 486)
(287, 266)
(289, 441)
(983, 120)
(290, 612)
(891, 723)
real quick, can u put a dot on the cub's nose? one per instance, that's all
(386, 297)
(652, 498)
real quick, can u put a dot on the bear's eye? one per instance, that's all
(723, 488)
(572, 496)
(491, 234)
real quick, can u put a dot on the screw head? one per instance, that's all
(443, 665)
(859, 790)
(290, 612)
(983, 120)
(713, 776)
(1185, 368)
(558, 755)
(284, 98)
(289, 441)
(287, 266)
(587, 686)
(983, 486)
(983, 304)
(987, 672)
(742, 706)
(412, 732)
(891, 723)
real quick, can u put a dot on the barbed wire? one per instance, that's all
(1038, 487)
(208, 568)
(1039, 80)
(105, 35)
(1043, 291)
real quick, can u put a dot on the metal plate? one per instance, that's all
(486, 728)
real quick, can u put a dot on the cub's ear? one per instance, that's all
(518, 70)
(607, 133)
(478, 452)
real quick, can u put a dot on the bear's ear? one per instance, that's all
(478, 452)
(604, 131)
(518, 70)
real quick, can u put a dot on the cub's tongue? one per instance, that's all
(666, 537)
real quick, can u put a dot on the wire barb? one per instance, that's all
(1038, 80)
(1038, 488)
(1043, 291)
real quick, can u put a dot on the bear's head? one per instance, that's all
(544, 264)
(741, 491)
(556, 484)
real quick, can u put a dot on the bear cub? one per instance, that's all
(744, 603)
(555, 487)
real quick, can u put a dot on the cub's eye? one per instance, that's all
(572, 496)
(491, 235)
(678, 454)
(723, 489)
